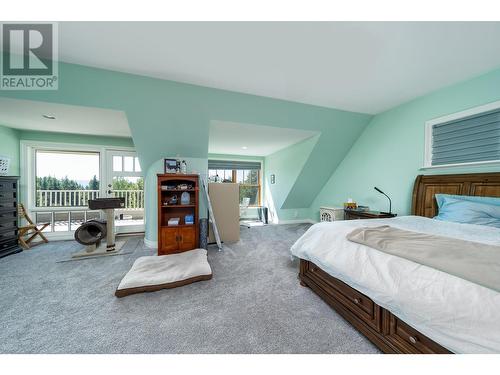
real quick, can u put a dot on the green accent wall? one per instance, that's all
(390, 152)
(9, 146)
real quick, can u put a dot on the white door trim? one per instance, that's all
(108, 179)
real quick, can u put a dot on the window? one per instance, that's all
(249, 181)
(220, 175)
(64, 182)
(61, 178)
(126, 164)
(468, 137)
(246, 174)
(127, 182)
(66, 179)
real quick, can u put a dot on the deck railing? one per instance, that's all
(134, 199)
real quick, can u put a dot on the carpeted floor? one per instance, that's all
(253, 304)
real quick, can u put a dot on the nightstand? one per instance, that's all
(355, 214)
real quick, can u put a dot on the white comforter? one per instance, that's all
(458, 314)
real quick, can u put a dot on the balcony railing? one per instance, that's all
(134, 199)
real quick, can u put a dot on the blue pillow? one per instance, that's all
(471, 198)
(467, 212)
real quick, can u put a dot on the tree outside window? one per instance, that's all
(249, 181)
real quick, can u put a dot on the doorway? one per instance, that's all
(60, 178)
(124, 179)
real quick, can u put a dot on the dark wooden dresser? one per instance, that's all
(8, 216)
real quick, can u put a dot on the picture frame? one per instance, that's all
(170, 165)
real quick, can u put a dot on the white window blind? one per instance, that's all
(470, 139)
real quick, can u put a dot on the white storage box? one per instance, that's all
(173, 221)
(331, 213)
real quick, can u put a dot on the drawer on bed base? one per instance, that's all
(359, 304)
(408, 339)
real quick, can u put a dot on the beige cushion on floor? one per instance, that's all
(152, 273)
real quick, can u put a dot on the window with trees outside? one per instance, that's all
(64, 183)
(66, 179)
(248, 179)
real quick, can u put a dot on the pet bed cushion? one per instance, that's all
(152, 273)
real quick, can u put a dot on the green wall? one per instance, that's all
(9, 146)
(390, 152)
(286, 165)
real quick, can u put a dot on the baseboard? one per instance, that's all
(151, 244)
(60, 236)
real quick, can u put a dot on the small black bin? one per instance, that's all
(262, 212)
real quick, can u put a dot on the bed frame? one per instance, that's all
(389, 333)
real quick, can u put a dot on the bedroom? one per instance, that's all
(113, 166)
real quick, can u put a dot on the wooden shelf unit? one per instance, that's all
(183, 237)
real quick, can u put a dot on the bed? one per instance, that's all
(402, 306)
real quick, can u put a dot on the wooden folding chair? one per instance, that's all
(31, 229)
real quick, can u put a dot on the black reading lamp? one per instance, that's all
(390, 203)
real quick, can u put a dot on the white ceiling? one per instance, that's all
(252, 140)
(28, 115)
(359, 66)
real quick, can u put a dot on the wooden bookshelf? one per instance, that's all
(182, 237)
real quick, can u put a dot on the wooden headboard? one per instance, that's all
(426, 187)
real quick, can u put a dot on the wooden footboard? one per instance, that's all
(385, 330)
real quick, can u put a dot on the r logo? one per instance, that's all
(29, 49)
(29, 56)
